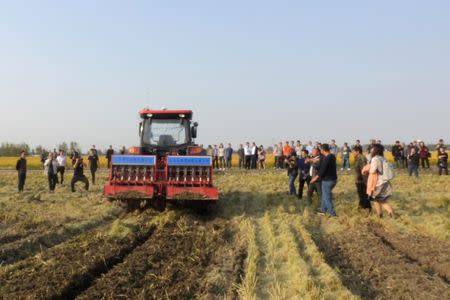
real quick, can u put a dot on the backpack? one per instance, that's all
(388, 171)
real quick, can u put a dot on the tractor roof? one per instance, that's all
(166, 112)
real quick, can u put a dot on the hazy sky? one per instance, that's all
(250, 70)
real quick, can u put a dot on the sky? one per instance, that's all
(263, 71)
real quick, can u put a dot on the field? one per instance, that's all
(255, 243)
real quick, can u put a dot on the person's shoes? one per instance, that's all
(320, 213)
(333, 216)
(349, 169)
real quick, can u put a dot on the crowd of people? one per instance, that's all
(55, 164)
(315, 166)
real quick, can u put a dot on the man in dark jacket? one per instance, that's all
(314, 162)
(93, 162)
(413, 162)
(292, 170)
(360, 179)
(78, 174)
(303, 169)
(397, 153)
(328, 174)
(228, 156)
(21, 167)
(241, 155)
(109, 154)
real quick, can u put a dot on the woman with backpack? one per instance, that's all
(379, 187)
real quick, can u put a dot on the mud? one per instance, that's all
(371, 268)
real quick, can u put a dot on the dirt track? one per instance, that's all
(371, 266)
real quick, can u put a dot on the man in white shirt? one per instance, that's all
(248, 155)
(310, 147)
(62, 160)
(254, 158)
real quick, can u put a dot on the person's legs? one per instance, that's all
(310, 192)
(61, 170)
(362, 194)
(275, 162)
(301, 185)
(292, 190)
(377, 207)
(21, 184)
(93, 176)
(72, 183)
(85, 181)
(324, 198)
(410, 170)
(387, 207)
(427, 162)
(416, 171)
(327, 196)
(422, 162)
(50, 180)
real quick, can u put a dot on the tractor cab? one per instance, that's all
(165, 132)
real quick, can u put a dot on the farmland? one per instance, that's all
(255, 243)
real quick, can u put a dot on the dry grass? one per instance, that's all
(282, 260)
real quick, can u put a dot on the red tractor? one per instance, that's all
(168, 165)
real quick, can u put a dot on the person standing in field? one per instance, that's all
(292, 171)
(276, 154)
(314, 162)
(62, 161)
(328, 174)
(280, 156)
(334, 149)
(51, 169)
(298, 148)
(21, 167)
(109, 154)
(287, 151)
(424, 155)
(405, 155)
(221, 154)
(210, 151)
(310, 147)
(413, 162)
(241, 156)
(93, 162)
(215, 157)
(254, 158)
(228, 156)
(248, 155)
(345, 155)
(261, 158)
(442, 161)
(303, 170)
(378, 190)
(78, 174)
(360, 179)
(397, 154)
